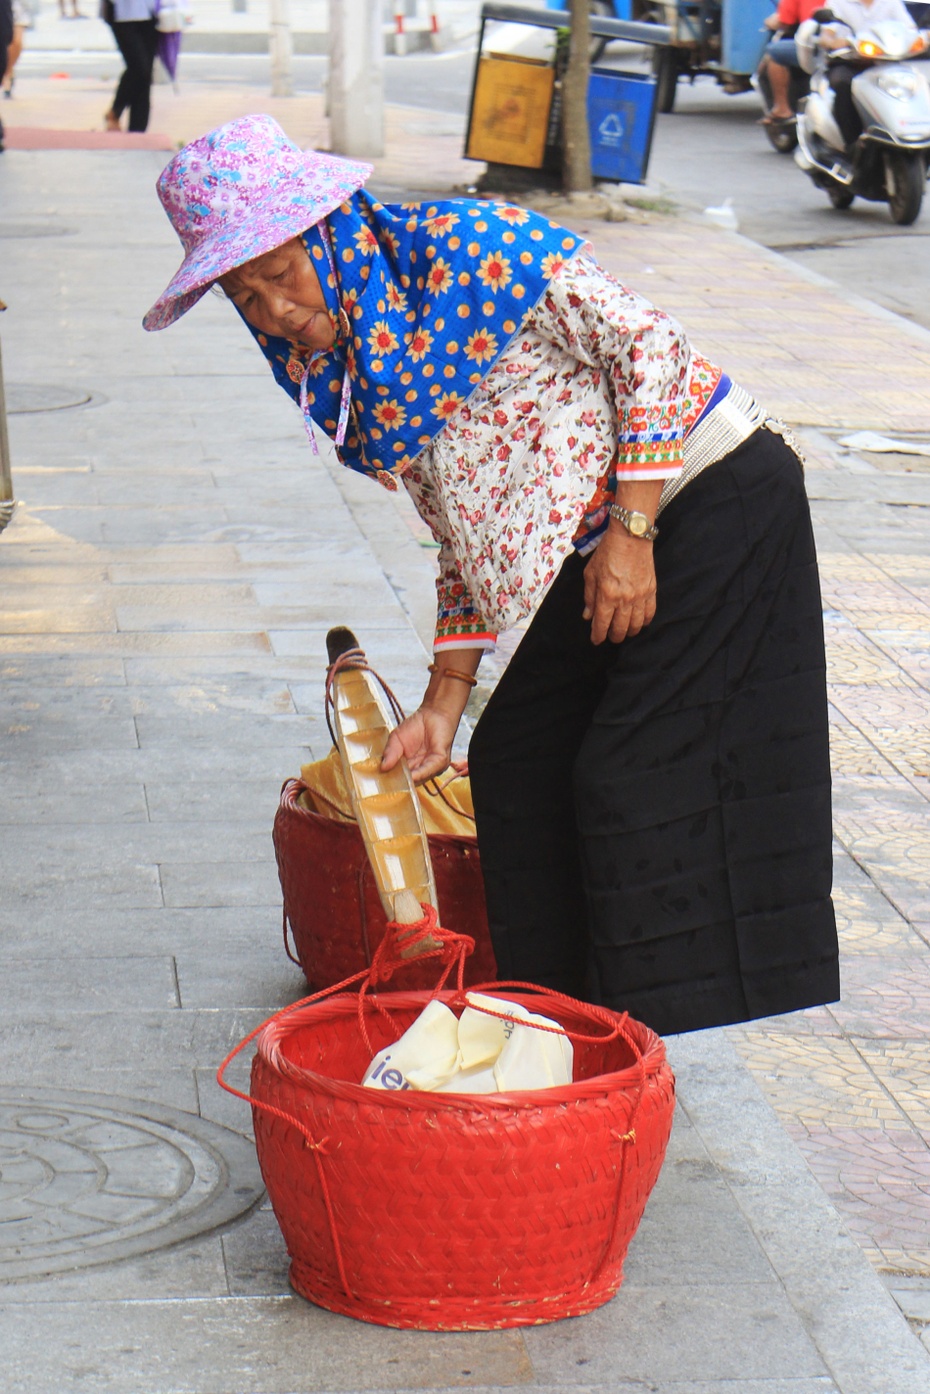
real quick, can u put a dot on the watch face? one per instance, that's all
(638, 524)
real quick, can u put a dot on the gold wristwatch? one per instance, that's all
(636, 524)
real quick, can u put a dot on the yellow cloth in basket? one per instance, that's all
(327, 793)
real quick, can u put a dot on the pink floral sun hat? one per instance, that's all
(237, 192)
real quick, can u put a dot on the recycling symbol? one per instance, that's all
(611, 129)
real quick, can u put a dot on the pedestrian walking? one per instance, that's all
(135, 30)
(651, 775)
(21, 22)
(6, 36)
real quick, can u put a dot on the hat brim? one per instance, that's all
(275, 222)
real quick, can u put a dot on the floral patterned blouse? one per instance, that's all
(596, 385)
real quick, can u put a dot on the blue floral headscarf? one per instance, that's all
(424, 298)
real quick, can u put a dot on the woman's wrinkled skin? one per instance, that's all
(280, 294)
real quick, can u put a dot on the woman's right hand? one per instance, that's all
(425, 739)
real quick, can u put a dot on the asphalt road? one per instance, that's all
(708, 150)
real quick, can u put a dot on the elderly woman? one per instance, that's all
(651, 775)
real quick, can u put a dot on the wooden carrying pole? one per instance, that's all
(6, 477)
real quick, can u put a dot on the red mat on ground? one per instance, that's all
(45, 138)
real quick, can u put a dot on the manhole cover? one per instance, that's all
(31, 230)
(89, 1178)
(22, 397)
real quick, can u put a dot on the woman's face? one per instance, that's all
(280, 294)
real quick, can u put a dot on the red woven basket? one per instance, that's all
(332, 904)
(452, 1212)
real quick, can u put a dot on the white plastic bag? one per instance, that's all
(476, 1054)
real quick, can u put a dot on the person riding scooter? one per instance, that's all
(849, 17)
(781, 57)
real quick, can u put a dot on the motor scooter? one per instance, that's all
(888, 161)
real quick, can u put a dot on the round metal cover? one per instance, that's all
(89, 1178)
(23, 397)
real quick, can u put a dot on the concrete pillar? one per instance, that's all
(281, 48)
(356, 78)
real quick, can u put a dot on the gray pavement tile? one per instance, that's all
(263, 1345)
(253, 671)
(89, 984)
(141, 843)
(227, 730)
(51, 877)
(191, 1270)
(171, 1085)
(62, 670)
(690, 1226)
(231, 800)
(221, 883)
(130, 645)
(81, 1050)
(83, 619)
(228, 932)
(258, 976)
(914, 1302)
(171, 762)
(731, 1332)
(238, 693)
(219, 1106)
(27, 735)
(27, 798)
(256, 1260)
(861, 1335)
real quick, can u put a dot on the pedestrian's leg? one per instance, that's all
(3, 65)
(780, 80)
(12, 58)
(145, 45)
(520, 762)
(844, 110)
(124, 86)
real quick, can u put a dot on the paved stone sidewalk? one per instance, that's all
(166, 586)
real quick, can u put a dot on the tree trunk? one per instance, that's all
(576, 143)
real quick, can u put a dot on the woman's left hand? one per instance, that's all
(619, 586)
(425, 738)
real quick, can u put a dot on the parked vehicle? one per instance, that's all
(723, 38)
(888, 161)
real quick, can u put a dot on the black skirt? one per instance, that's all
(654, 816)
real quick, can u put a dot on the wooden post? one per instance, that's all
(576, 142)
(6, 477)
(356, 78)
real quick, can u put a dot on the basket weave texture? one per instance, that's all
(451, 1212)
(332, 905)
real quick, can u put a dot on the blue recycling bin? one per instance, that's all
(621, 116)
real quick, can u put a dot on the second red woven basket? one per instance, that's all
(450, 1212)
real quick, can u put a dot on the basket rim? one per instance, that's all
(271, 1037)
(290, 803)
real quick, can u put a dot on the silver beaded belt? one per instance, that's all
(724, 427)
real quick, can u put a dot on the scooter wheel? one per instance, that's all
(905, 177)
(783, 136)
(840, 196)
